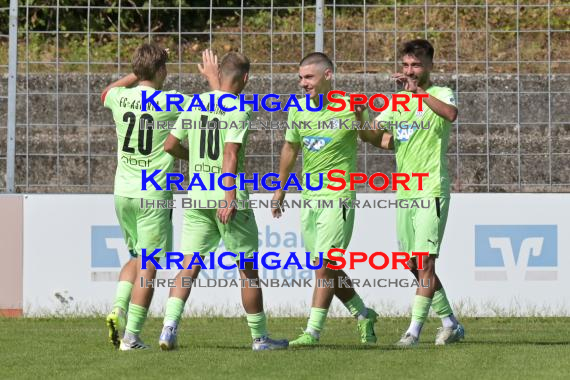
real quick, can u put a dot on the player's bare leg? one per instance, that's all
(175, 305)
(251, 296)
(129, 271)
(117, 319)
(184, 278)
(323, 294)
(343, 289)
(143, 290)
(428, 278)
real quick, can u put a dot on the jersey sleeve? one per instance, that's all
(366, 116)
(384, 118)
(184, 105)
(292, 134)
(238, 135)
(447, 96)
(111, 97)
(177, 130)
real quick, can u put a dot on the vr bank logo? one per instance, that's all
(108, 253)
(516, 252)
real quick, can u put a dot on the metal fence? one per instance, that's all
(506, 60)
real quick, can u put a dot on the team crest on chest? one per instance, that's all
(335, 123)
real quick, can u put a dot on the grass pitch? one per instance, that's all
(221, 348)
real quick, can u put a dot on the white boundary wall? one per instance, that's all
(503, 254)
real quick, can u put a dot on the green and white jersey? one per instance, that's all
(421, 149)
(138, 145)
(206, 145)
(325, 149)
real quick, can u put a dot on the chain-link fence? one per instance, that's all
(506, 60)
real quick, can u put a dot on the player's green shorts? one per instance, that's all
(144, 227)
(203, 230)
(421, 229)
(326, 228)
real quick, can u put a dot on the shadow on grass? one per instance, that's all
(320, 347)
(383, 347)
(515, 343)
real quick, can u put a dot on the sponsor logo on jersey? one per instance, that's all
(315, 143)
(404, 132)
(143, 163)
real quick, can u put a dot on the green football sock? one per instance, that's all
(356, 306)
(420, 309)
(174, 310)
(123, 296)
(257, 324)
(317, 320)
(136, 318)
(440, 304)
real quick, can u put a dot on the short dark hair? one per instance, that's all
(317, 58)
(234, 65)
(148, 60)
(417, 48)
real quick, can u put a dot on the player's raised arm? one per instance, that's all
(286, 163)
(446, 110)
(174, 147)
(126, 81)
(233, 142)
(173, 143)
(366, 135)
(382, 138)
(210, 69)
(386, 141)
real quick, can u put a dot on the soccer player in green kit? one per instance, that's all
(327, 228)
(423, 150)
(218, 150)
(139, 146)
